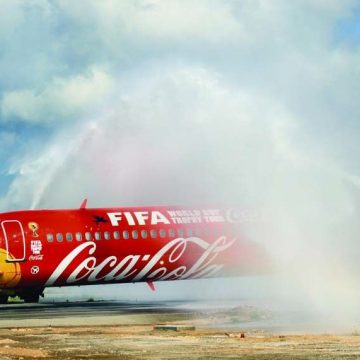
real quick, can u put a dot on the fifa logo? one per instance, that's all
(36, 247)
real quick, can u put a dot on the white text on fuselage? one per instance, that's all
(135, 218)
(181, 258)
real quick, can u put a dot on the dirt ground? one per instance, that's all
(143, 342)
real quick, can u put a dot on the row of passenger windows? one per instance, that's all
(135, 234)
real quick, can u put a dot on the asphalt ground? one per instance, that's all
(233, 315)
(69, 309)
(89, 313)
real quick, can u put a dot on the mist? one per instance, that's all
(261, 113)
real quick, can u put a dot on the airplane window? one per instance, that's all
(126, 234)
(116, 235)
(59, 237)
(97, 235)
(50, 237)
(180, 233)
(153, 234)
(189, 232)
(107, 235)
(162, 233)
(171, 233)
(135, 234)
(78, 236)
(69, 237)
(144, 234)
(88, 236)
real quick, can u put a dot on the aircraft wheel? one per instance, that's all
(31, 298)
(3, 299)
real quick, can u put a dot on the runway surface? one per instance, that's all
(235, 315)
(102, 313)
(86, 309)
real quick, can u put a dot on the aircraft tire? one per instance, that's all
(31, 298)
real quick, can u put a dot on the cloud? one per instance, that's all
(61, 100)
(217, 23)
(141, 137)
(158, 20)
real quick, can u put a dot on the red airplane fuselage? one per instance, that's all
(52, 248)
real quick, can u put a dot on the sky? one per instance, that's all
(248, 102)
(72, 69)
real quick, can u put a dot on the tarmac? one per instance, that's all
(128, 330)
(89, 313)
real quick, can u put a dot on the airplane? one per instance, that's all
(86, 246)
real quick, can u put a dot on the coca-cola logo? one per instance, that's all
(241, 215)
(171, 262)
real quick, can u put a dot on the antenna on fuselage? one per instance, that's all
(83, 204)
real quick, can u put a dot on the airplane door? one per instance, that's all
(14, 240)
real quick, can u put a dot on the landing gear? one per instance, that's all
(31, 297)
(3, 299)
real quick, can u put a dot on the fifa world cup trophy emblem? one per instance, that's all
(34, 227)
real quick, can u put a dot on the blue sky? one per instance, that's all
(246, 102)
(61, 62)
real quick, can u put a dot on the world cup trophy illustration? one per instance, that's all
(34, 227)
